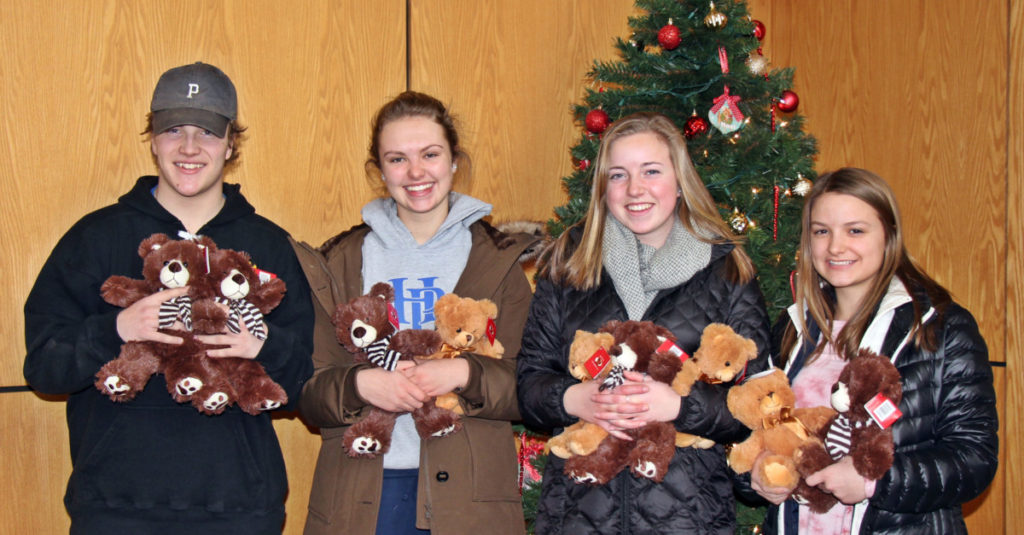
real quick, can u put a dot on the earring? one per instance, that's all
(455, 167)
(382, 178)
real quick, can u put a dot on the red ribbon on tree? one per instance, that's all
(775, 214)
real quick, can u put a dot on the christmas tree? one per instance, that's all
(700, 63)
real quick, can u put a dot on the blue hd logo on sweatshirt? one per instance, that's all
(416, 305)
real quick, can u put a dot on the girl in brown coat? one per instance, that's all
(426, 241)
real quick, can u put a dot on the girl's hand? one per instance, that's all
(391, 391)
(436, 377)
(614, 411)
(842, 481)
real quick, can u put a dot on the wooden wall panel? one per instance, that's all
(34, 445)
(901, 89)
(510, 71)
(1012, 446)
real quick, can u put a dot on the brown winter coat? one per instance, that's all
(467, 481)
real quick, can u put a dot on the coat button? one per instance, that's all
(442, 476)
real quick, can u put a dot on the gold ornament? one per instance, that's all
(757, 64)
(802, 186)
(716, 19)
(738, 221)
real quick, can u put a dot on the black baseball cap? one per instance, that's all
(198, 94)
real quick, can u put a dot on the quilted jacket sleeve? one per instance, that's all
(952, 437)
(541, 375)
(704, 412)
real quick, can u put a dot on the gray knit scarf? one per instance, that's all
(640, 271)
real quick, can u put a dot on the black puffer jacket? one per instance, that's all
(696, 495)
(946, 441)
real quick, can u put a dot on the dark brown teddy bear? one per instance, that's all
(236, 294)
(367, 327)
(853, 431)
(211, 385)
(167, 264)
(637, 347)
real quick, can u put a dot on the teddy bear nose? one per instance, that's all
(358, 332)
(237, 278)
(174, 267)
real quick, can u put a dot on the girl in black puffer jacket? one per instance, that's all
(858, 288)
(663, 255)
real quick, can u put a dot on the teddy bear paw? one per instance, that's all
(188, 386)
(585, 477)
(115, 386)
(365, 445)
(444, 431)
(216, 402)
(646, 469)
(268, 405)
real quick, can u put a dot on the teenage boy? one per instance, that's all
(151, 465)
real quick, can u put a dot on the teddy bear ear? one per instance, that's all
(383, 290)
(207, 242)
(444, 304)
(152, 243)
(489, 308)
(610, 327)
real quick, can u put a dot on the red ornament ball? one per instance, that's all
(597, 121)
(788, 101)
(668, 36)
(759, 30)
(695, 126)
(583, 165)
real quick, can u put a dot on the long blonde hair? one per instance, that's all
(815, 294)
(580, 266)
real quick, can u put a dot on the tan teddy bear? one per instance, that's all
(765, 403)
(464, 325)
(588, 359)
(721, 358)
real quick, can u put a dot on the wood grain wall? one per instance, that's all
(897, 87)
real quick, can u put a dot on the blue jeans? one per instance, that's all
(397, 514)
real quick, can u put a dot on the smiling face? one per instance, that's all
(190, 160)
(416, 164)
(642, 187)
(847, 247)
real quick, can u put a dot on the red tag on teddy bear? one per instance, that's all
(668, 346)
(492, 330)
(264, 276)
(393, 316)
(883, 411)
(597, 362)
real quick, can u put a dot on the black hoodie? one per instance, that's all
(151, 465)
